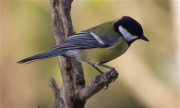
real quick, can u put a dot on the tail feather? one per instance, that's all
(46, 55)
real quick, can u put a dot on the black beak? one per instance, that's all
(144, 38)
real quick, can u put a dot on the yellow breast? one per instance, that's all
(102, 55)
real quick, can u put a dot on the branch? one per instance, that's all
(71, 70)
(56, 90)
(73, 93)
(94, 87)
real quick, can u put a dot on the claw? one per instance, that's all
(97, 77)
(106, 74)
(107, 85)
(108, 78)
(114, 79)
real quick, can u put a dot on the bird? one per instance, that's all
(97, 45)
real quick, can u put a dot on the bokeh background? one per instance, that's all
(148, 71)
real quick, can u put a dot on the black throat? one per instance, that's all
(130, 42)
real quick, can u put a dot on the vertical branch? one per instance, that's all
(71, 70)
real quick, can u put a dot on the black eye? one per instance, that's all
(135, 30)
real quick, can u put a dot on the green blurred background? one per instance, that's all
(148, 72)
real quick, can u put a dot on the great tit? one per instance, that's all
(97, 45)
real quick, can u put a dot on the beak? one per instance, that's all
(144, 38)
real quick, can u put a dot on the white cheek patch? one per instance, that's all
(127, 36)
(97, 38)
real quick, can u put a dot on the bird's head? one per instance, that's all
(130, 29)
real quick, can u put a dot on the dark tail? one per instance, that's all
(46, 55)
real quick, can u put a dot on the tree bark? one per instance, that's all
(73, 93)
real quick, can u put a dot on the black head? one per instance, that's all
(130, 29)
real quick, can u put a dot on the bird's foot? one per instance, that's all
(96, 78)
(107, 74)
(115, 76)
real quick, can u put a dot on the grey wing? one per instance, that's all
(84, 40)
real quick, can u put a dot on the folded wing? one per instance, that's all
(84, 40)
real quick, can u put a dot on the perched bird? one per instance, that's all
(97, 45)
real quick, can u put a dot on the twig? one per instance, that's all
(94, 87)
